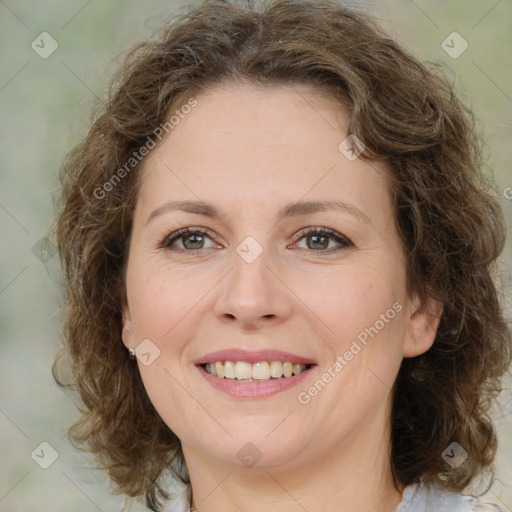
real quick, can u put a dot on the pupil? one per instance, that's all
(316, 237)
(196, 237)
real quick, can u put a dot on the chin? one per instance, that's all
(258, 445)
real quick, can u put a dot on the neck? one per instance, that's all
(354, 477)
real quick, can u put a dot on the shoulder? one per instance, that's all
(415, 498)
(433, 498)
(180, 502)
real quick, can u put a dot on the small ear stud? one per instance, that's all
(131, 351)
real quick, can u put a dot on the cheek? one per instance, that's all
(373, 330)
(351, 301)
(160, 299)
(365, 313)
(159, 304)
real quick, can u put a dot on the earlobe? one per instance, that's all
(422, 327)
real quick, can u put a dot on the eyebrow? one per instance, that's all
(290, 210)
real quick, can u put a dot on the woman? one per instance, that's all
(278, 250)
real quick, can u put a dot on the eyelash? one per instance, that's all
(342, 240)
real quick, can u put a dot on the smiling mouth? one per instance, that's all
(262, 371)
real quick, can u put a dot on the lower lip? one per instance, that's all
(253, 389)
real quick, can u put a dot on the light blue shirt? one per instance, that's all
(415, 498)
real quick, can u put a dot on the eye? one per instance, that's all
(192, 240)
(319, 239)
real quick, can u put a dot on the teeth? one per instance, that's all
(229, 370)
(247, 372)
(276, 369)
(261, 371)
(219, 369)
(243, 370)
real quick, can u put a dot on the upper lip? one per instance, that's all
(235, 354)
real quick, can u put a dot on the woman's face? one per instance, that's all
(255, 280)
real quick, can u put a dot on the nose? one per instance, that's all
(254, 295)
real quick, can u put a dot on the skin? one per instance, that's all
(249, 151)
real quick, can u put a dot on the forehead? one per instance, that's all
(251, 145)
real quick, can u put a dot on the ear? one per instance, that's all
(422, 326)
(127, 332)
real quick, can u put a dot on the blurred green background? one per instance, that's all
(45, 106)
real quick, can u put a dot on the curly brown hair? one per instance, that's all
(452, 228)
